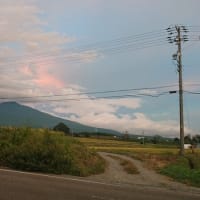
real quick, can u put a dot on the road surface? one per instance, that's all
(16, 185)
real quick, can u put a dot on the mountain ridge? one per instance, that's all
(15, 114)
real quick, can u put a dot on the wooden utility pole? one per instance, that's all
(178, 39)
(179, 63)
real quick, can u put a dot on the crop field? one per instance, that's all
(127, 147)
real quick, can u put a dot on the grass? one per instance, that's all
(185, 169)
(164, 159)
(41, 150)
(127, 165)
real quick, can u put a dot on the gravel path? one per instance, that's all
(115, 174)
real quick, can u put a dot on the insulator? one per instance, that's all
(184, 29)
(174, 56)
(170, 39)
(170, 30)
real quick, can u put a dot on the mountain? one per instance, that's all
(14, 114)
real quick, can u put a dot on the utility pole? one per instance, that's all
(178, 38)
(180, 92)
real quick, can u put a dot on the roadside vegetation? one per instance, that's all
(164, 158)
(185, 169)
(42, 150)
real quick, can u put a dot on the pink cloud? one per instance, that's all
(42, 76)
(45, 79)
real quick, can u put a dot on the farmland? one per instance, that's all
(129, 148)
(164, 159)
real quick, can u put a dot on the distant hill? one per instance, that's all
(14, 114)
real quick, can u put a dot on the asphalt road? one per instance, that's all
(29, 186)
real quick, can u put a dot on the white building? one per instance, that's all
(187, 146)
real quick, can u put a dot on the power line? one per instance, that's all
(138, 95)
(190, 92)
(119, 45)
(80, 56)
(96, 98)
(131, 38)
(91, 51)
(93, 93)
(100, 92)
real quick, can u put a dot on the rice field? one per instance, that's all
(117, 146)
(154, 155)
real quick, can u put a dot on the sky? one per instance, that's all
(65, 56)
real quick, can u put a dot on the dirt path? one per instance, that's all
(115, 174)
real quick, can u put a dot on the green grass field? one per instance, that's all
(184, 169)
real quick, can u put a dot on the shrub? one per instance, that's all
(62, 127)
(46, 151)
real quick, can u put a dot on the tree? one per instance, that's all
(196, 139)
(176, 140)
(156, 139)
(188, 139)
(62, 127)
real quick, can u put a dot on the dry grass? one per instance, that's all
(94, 142)
(164, 159)
(127, 165)
(154, 156)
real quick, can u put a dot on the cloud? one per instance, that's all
(30, 53)
(21, 28)
(105, 113)
(96, 107)
(35, 62)
(134, 124)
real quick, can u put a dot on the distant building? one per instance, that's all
(187, 146)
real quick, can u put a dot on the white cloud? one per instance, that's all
(105, 113)
(30, 56)
(134, 123)
(96, 107)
